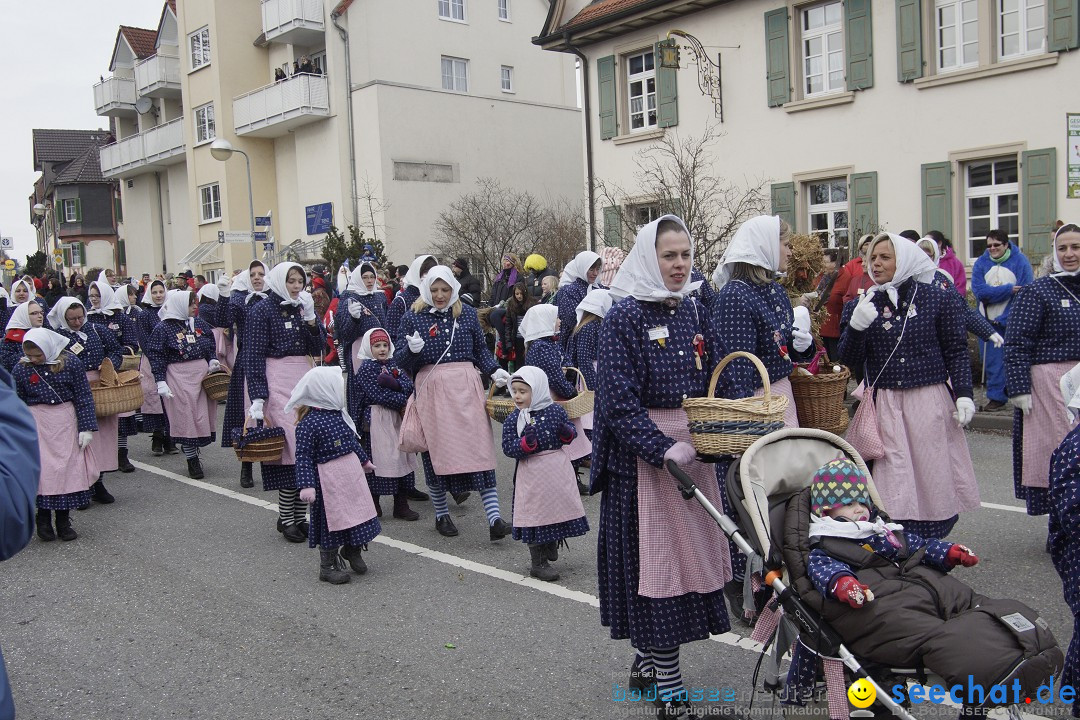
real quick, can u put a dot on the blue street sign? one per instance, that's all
(262, 221)
(319, 218)
(268, 247)
(260, 235)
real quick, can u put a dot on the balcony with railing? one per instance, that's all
(274, 110)
(115, 96)
(299, 22)
(158, 76)
(146, 152)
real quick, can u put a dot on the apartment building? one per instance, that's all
(859, 114)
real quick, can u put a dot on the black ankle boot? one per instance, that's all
(352, 555)
(540, 568)
(331, 568)
(44, 526)
(98, 493)
(122, 461)
(418, 495)
(157, 444)
(246, 479)
(378, 507)
(498, 529)
(170, 446)
(194, 469)
(63, 526)
(551, 551)
(402, 511)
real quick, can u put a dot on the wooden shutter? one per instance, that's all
(118, 207)
(937, 187)
(859, 39)
(667, 90)
(605, 86)
(782, 196)
(909, 52)
(78, 210)
(1038, 202)
(612, 227)
(777, 51)
(862, 197)
(1063, 19)
(121, 252)
(81, 248)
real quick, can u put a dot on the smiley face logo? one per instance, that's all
(861, 694)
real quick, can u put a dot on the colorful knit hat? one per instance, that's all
(839, 482)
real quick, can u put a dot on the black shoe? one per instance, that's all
(122, 462)
(992, 406)
(378, 507)
(445, 526)
(402, 511)
(551, 551)
(460, 497)
(157, 444)
(303, 525)
(44, 526)
(331, 568)
(582, 488)
(640, 679)
(418, 495)
(540, 568)
(280, 526)
(194, 469)
(170, 447)
(246, 480)
(498, 529)
(673, 708)
(98, 493)
(352, 555)
(63, 526)
(293, 533)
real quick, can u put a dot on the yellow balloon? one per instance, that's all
(861, 694)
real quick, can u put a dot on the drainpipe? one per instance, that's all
(161, 223)
(587, 109)
(349, 110)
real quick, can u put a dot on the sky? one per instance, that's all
(54, 60)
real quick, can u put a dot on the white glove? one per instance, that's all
(307, 306)
(163, 389)
(682, 453)
(416, 343)
(307, 495)
(965, 411)
(998, 341)
(357, 310)
(801, 339)
(865, 313)
(1022, 403)
(500, 377)
(84, 439)
(215, 366)
(255, 412)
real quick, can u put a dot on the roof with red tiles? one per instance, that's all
(142, 41)
(599, 9)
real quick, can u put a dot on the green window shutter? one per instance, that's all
(1063, 18)
(667, 90)
(859, 39)
(777, 50)
(1038, 201)
(59, 214)
(121, 252)
(612, 227)
(605, 76)
(937, 190)
(119, 208)
(67, 256)
(78, 210)
(909, 60)
(863, 199)
(81, 247)
(783, 201)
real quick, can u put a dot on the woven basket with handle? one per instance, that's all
(216, 385)
(130, 362)
(728, 427)
(498, 407)
(114, 392)
(259, 443)
(580, 404)
(819, 399)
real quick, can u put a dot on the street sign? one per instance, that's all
(7, 243)
(221, 236)
(58, 256)
(9, 264)
(234, 236)
(268, 247)
(260, 235)
(319, 218)
(262, 221)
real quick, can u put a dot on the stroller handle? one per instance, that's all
(690, 491)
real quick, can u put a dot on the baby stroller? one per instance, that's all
(768, 487)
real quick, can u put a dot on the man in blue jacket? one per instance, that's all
(997, 276)
(20, 466)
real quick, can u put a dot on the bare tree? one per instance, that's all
(561, 234)
(374, 207)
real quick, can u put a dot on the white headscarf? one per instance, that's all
(364, 353)
(598, 302)
(412, 278)
(910, 262)
(276, 282)
(356, 281)
(756, 242)
(254, 295)
(123, 302)
(935, 250)
(536, 379)
(323, 388)
(210, 292)
(539, 322)
(4, 293)
(147, 298)
(58, 315)
(578, 268)
(29, 287)
(1059, 271)
(51, 343)
(107, 298)
(439, 272)
(639, 275)
(342, 279)
(20, 318)
(176, 307)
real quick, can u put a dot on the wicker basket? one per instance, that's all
(728, 427)
(580, 404)
(819, 399)
(216, 385)
(266, 447)
(114, 392)
(131, 362)
(498, 407)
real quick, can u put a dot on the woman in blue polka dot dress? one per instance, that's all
(1064, 540)
(153, 416)
(409, 294)
(662, 562)
(577, 280)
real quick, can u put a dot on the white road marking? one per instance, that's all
(1010, 508)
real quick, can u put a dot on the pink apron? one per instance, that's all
(222, 346)
(64, 467)
(783, 387)
(191, 413)
(282, 375)
(346, 499)
(581, 447)
(101, 454)
(151, 400)
(389, 461)
(545, 490)
(1046, 425)
(449, 404)
(680, 548)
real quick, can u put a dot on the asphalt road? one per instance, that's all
(181, 601)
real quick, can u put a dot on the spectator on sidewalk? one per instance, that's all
(471, 288)
(950, 263)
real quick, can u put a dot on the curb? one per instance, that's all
(1000, 420)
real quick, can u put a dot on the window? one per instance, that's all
(204, 123)
(1021, 27)
(644, 214)
(641, 89)
(992, 200)
(822, 28)
(199, 45)
(504, 10)
(957, 33)
(70, 209)
(319, 61)
(827, 202)
(452, 10)
(506, 74)
(455, 74)
(210, 202)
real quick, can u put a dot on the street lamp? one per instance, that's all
(222, 150)
(39, 211)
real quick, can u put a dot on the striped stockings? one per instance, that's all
(491, 504)
(665, 663)
(290, 509)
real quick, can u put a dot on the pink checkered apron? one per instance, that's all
(581, 447)
(389, 461)
(151, 400)
(545, 490)
(222, 347)
(191, 413)
(1046, 425)
(783, 387)
(680, 548)
(282, 375)
(64, 467)
(101, 453)
(346, 499)
(450, 406)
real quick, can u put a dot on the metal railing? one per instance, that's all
(279, 16)
(155, 71)
(301, 94)
(155, 145)
(114, 92)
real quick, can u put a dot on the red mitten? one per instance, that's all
(960, 555)
(849, 590)
(567, 433)
(528, 440)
